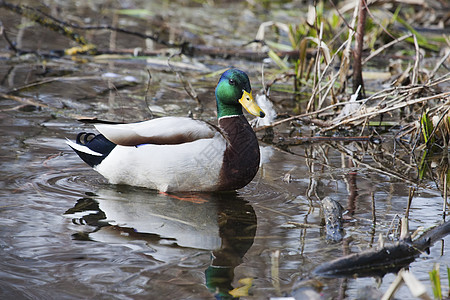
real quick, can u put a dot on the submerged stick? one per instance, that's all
(23, 100)
(45, 20)
(377, 262)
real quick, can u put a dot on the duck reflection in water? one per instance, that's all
(172, 226)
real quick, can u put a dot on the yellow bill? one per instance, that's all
(250, 105)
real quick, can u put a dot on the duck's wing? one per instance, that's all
(166, 130)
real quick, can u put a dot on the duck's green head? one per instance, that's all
(234, 92)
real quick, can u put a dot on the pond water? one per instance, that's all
(68, 234)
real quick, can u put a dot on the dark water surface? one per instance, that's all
(65, 233)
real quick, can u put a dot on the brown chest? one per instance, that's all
(241, 157)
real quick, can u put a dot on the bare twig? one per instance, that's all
(384, 47)
(415, 286)
(402, 92)
(410, 198)
(444, 209)
(317, 87)
(415, 75)
(23, 100)
(374, 215)
(316, 81)
(382, 169)
(376, 21)
(341, 16)
(388, 109)
(147, 92)
(438, 65)
(186, 83)
(442, 79)
(306, 115)
(331, 78)
(313, 139)
(436, 126)
(5, 36)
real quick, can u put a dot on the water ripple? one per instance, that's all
(68, 183)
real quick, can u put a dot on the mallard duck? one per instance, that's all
(173, 154)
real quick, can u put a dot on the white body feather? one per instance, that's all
(193, 166)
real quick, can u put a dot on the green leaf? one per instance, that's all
(427, 128)
(279, 46)
(280, 63)
(303, 47)
(421, 40)
(334, 22)
(436, 282)
(136, 12)
(423, 166)
(396, 13)
(383, 123)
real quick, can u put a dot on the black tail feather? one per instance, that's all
(97, 143)
(96, 121)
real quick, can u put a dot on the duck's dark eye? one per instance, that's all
(231, 82)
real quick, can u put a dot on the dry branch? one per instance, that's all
(23, 100)
(376, 111)
(384, 47)
(394, 104)
(381, 169)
